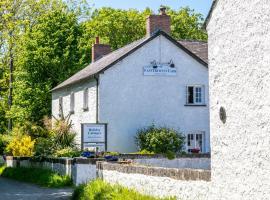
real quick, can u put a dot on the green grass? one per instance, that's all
(42, 177)
(100, 190)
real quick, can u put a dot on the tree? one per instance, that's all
(46, 55)
(116, 27)
(186, 24)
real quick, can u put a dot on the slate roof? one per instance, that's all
(196, 49)
(199, 48)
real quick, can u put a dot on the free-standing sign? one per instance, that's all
(94, 135)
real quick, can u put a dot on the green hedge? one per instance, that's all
(42, 177)
(100, 190)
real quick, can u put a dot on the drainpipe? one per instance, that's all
(97, 97)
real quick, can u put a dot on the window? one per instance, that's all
(195, 141)
(195, 95)
(72, 103)
(85, 99)
(60, 106)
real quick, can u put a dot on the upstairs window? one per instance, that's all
(85, 99)
(195, 95)
(72, 103)
(60, 106)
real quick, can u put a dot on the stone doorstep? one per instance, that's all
(178, 174)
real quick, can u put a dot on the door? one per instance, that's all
(195, 141)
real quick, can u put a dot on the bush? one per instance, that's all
(100, 190)
(159, 140)
(67, 152)
(21, 146)
(2, 145)
(42, 177)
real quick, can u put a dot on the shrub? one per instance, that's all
(67, 152)
(21, 146)
(64, 136)
(44, 147)
(2, 145)
(42, 177)
(100, 190)
(159, 140)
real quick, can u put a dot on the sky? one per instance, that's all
(201, 6)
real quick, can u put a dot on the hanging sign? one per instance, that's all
(160, 69)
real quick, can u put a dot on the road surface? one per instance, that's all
(14, 190)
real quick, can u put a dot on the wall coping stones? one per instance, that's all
(160, 156)
(66, 161)
(178, 174)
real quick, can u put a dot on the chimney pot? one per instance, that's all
(162, 10)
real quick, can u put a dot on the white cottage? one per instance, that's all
(153, 80)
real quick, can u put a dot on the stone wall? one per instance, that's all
(193, 161)
(239, 77)
(185, 184)
(81, 170)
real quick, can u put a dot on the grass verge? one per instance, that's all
(42, 177)
(100, 190)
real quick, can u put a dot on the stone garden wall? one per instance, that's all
(192, 161)
(81, 170)
(185, 184)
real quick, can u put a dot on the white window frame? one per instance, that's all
(85, 99)
(194, 141)
(202, 97)
(60, 106)
(72, 103)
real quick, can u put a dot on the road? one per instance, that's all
(14, 190)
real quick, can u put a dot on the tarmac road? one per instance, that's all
(14, 190)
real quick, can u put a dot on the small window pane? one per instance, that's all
(72, 102)
(85, 99)
(60, 106)
(190, 95)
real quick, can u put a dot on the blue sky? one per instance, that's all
(201, 6)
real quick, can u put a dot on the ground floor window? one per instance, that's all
(196, 140)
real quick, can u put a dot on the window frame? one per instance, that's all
(195, 97)
(72, 103)
(86, 99)
(60, 106)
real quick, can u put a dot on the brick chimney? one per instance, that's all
(99, 50)
(156, 22)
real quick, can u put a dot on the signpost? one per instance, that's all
(94, 135)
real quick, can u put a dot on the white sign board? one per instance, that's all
(99, 146)
(160, 69)
(93, 133)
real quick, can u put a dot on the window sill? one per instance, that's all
(196, 105)
(85, 109)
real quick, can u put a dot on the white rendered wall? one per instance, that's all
(160, 186)
(239, 64)
(129, 101)
(79, 116)
(179, 163)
